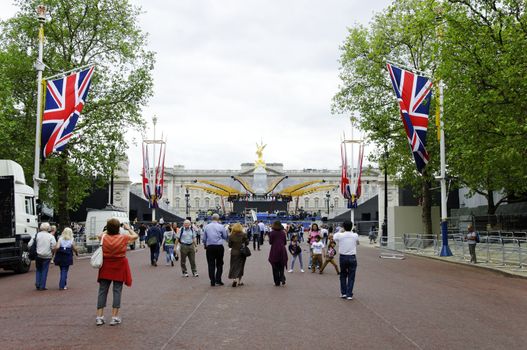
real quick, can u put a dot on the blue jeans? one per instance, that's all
(348, 267)
(299, 257)
(63, 276)
(42, 272)
(169, 249)
(154, 253)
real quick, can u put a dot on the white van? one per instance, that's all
(96, 221)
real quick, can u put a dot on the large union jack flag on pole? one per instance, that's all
(414, 93)
(65, 98)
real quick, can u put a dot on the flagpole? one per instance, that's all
(39, 66)
(445, 249)
(154, 193)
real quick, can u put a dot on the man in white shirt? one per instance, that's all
(45, 243)
(347, 243)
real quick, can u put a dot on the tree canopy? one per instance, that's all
(77, 32)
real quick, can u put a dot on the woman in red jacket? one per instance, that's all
(114, 269)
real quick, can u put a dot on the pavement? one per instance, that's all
(415, 303)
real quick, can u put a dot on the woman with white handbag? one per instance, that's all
(115, 268)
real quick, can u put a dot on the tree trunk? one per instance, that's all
(427, 210)
(63, 185)
(491, 206)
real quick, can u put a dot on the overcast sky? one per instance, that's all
(233, 72)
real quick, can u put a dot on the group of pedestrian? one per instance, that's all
(51, 247)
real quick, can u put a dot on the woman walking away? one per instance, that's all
(114, 269)
(64, 255)
(296, 252)
(278, 253)
(237, 238)
(169, 239)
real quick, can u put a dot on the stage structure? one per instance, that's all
(260, 194)
(153, 176)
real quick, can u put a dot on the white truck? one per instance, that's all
(96, 222)
(18, 217)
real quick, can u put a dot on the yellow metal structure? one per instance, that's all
(275, 183)
(306, 191)
(231, 191)
(243, 183)
(211, 190)
(289, 190)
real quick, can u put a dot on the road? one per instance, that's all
(416, 303)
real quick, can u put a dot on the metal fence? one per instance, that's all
(496, 247)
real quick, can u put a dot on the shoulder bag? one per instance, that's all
(245, 251)
(32, 254)
(97, 257)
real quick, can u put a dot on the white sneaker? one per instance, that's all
(99, 321)
(349, 298)
(290, 270)
(343, 296)
(185, 275)
(302, 270)
(115, 321)
(195, 274)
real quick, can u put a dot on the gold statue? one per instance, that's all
(259, 153)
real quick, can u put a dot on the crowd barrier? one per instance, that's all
(391, 248)
(495, 247)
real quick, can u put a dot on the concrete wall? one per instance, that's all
(406, 219)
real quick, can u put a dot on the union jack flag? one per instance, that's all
(65, 98)
(414, 93)
(344, 179)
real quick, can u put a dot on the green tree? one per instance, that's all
(484, 65)
(404, 33)
(79, 32)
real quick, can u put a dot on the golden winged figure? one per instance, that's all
(259, 153)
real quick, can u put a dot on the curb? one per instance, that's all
(488, 268)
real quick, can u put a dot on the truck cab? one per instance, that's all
(18, 217)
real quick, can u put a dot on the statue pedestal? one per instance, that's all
(260, 181)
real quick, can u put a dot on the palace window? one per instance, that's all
(316, 202)
(196, 201)
(336, 202)
(207, 202)
(217, 201)
(177, 202)
(306, 201)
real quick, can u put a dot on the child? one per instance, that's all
(296, 252)
(330, 255)
(317, 247)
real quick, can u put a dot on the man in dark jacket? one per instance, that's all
(154, 237)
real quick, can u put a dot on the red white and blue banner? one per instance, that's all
(414, 93)
(65, 99)
(153, 177)
(344, 179)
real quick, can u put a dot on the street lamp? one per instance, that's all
(187, 202)
(327, 200)
(384, 239)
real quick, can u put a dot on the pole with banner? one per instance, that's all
(39, 66)
(445, 249)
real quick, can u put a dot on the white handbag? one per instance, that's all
(96, 258)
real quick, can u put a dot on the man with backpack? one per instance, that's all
(472, 239)
(187, 246)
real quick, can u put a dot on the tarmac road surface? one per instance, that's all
(415, 303)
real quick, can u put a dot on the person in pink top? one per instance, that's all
(314, 232)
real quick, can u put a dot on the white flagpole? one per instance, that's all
(39, 66)
(445, 249)
(153, 193)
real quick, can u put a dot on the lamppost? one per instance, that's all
(187, 202)
(327, 200)
(384, 238)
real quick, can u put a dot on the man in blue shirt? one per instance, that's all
(214, 235)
